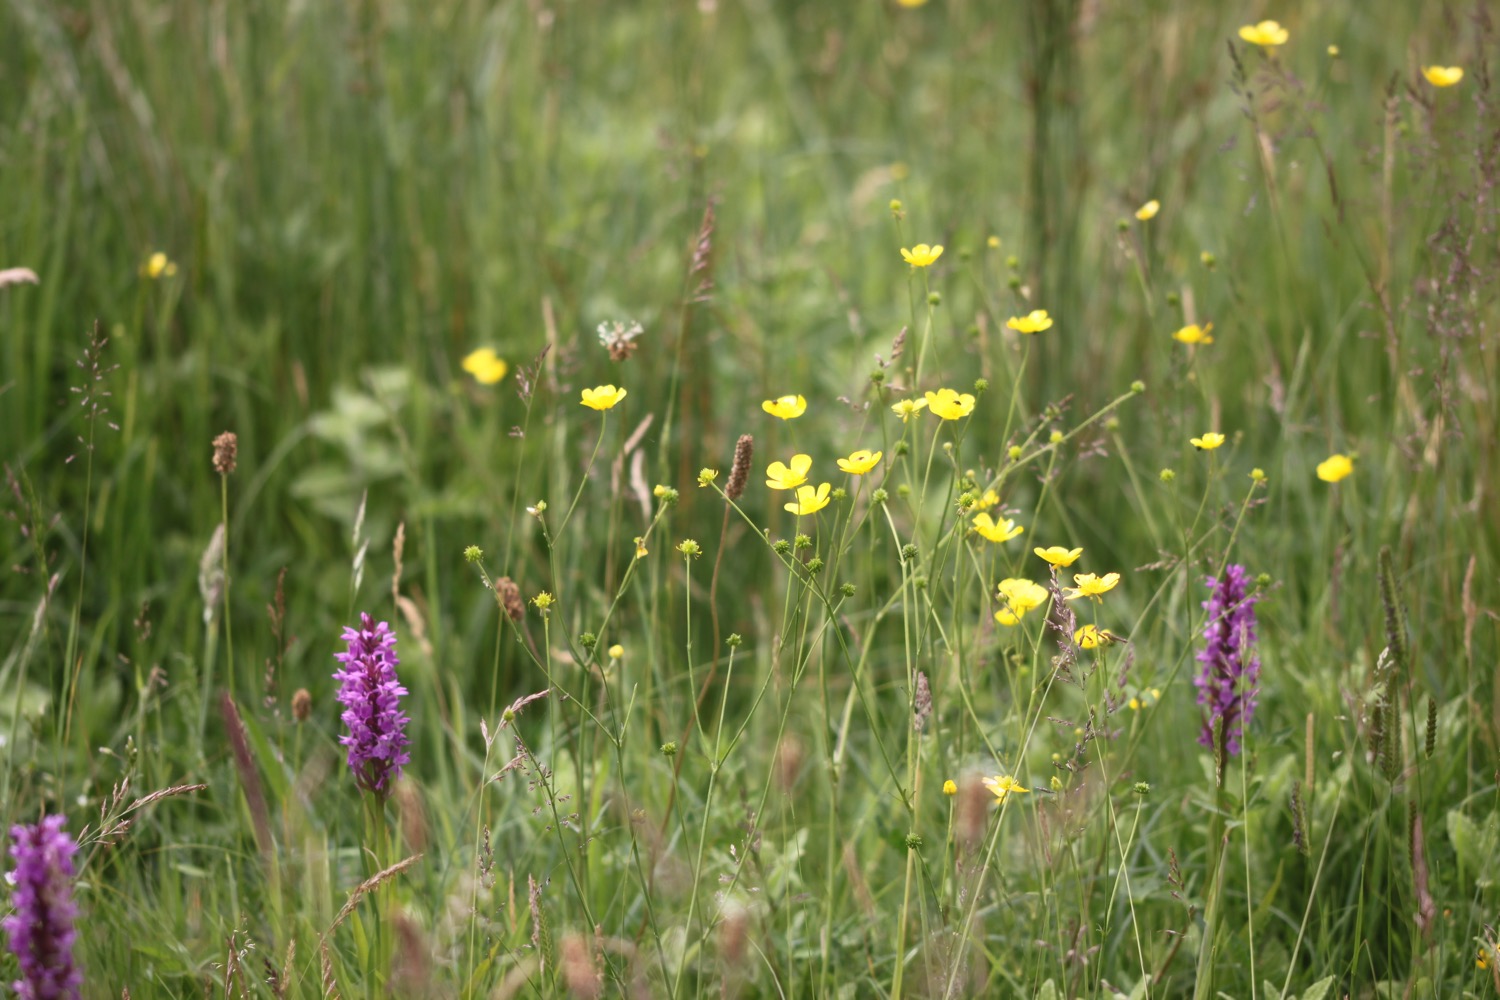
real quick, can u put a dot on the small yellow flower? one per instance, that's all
(1443, 76)
(1033, 322)
(1333, 51)
(616, 651)
(987, 501)
(809, 500)
(640, 548)
(1090, 637)
(921, 255)
(1148, 211)
(781, 477)
(602, 397)
(1258, 475)
(911, 3)
(950, 787)
(1002, 785)
(1483, 959)
(1195, 334)
(950, 404)
(996, 531)
(1266, 34)
(993, 243)
(158, 266)
(1134, 704)
(1335, 467)
(485, 365)
(861, 461)
(543, 601)
(1093, 586)
(1207, 442)
(785, 407)
(907, 408)
(1059, 556)
(1019, 596)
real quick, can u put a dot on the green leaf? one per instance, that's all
(1319, 989)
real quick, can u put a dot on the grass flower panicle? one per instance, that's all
(40, 929)
(371, 696)
(1229, 678)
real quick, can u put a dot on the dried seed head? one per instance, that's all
(734, 934)
(302, 705)
(788, 762)
(226, 448)
(508, 596)
(972, 811)
(578, 968)
(922, 702)
(739, 473)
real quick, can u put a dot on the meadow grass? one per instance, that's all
(668, 737)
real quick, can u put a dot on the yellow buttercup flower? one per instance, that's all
(921, 255)
(785, 407)
(987, 501)
(616, 651)
(950, 787)
(641, 551)
(1482, 961)
(1335, 467)
(1033, 322)
(1093, 586)
(1443, 76)
(1266, 34)
(1195, 334)
(907, 408)
(911, 3)
(1003, 785)
(1148, 211)
(950, 404)
(602, 397)
(1090, 637)
(159, 266)
(993, 243)
(781, 477)
(485, 365)
(996, 531)
(1019, 596)
(860, 462)
(809, 500)
(1059, 556)
(1207, 442)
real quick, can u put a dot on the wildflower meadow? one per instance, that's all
(749, 498)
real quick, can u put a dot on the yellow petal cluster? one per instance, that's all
(950, 404)
(921, 255)
(809, 500)
(1002, 785)
(908, 408)
(602, 397)
(1058, 556)
(1148, 211)
(1443, 76)
(1089, 585)
(784, 477)
(861, 461)
(1019, 596)
(996, 531)
(1194, 334)
(159, 266)
(1266, 34)
(1335, 467)
(1207, 442)
(785, 407)
(485, 365)
(1091, 637)
(1033, 322)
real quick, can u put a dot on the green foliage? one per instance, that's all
(670, 737)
